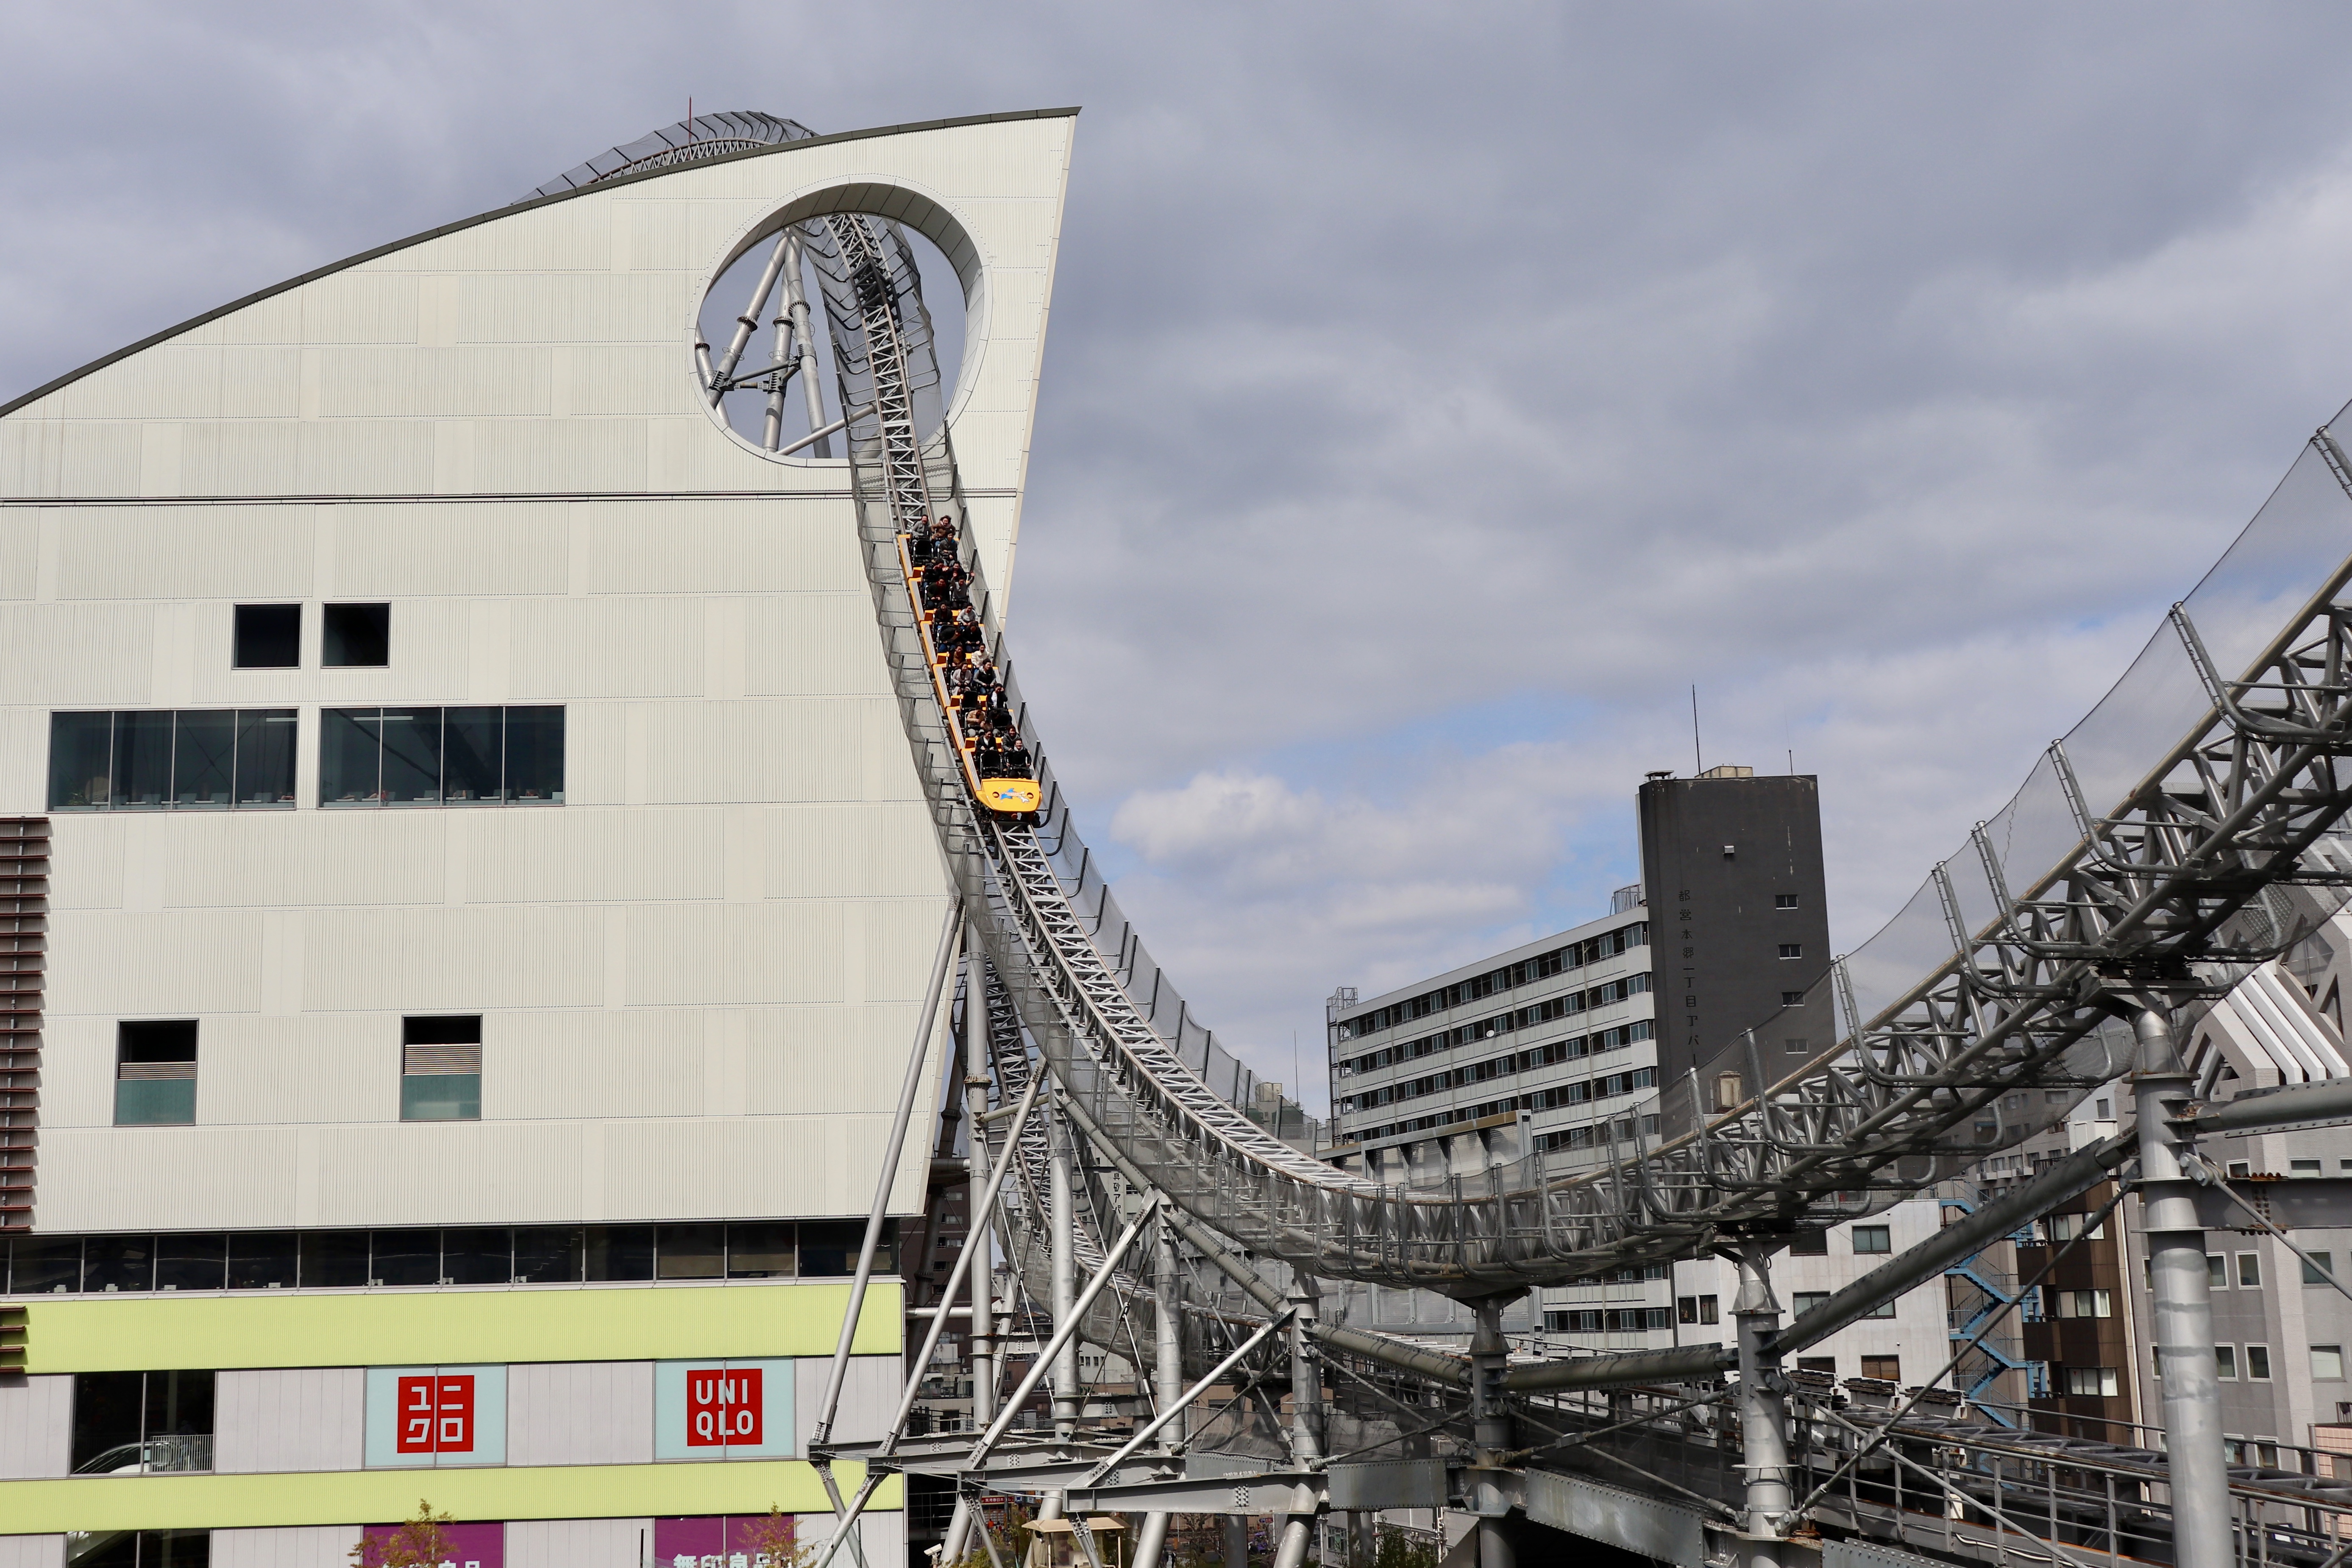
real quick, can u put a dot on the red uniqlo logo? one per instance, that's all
(722, 1406)
(437, 1414)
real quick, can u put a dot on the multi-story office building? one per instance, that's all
(2281, 1328)
(1555, 1045)
(472, 897)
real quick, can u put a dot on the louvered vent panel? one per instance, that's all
(24, 950)
(417, 1060)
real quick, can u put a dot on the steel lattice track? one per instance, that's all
(2166, 882)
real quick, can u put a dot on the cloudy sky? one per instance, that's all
(1434, 394)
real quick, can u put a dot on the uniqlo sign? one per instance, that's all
(722, 1409)
(723, 1406)
(437, 1415)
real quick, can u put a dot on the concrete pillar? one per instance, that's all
(2194, 1458)
(1236, 1541)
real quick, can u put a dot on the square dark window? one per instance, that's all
(693, 1251)
(262, 1260)
(107, 1408)
(405, 1258)
(829, 1248)
(442, 1029)
(1793, 998)
(334, 1259)
(1784, 900)
(476, 1256)
(549, 1254)
(619, 1252)
(140, 1549)
(197, 1262)
(761, 1250)
(1809, 1244)
(118, 1263)
(356, 635)
(269, 636)
(1873, 1239)
(1793, 950)
(534, 760)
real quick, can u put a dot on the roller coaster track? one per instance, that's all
(2144, 857)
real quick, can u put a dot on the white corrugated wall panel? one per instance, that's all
(240, 457)
(826, 1061)
(596, 855)
(617, 1063)
(756, 1166)
(78, 1071)
(35, 1427)
(302, 1071)
(870, 1390)
(77, 656)
(813, 644)
(288, 859)
(568, 309)
(582, 1543)
(453, 960)
(537, 455)
(173, 1178)
(719, 546)
(361, 456)
(617, 378)
(32, 1551)
(20, 546)
(286, 1546)
(880, 851)
(171, 965)
(462, 1173)
(432, 547)
(364, 305)
(407, 383)
(255, 552)
(299, 1418)
(84, 855)
(608, 646)
(580, 1413)
(736, 954)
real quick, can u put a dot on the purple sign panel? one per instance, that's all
(471, 1545)
(714, 1540)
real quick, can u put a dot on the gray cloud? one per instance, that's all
(1433, 395)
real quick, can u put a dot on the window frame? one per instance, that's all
(246, 745)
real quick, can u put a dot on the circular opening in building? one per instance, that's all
(784, 332)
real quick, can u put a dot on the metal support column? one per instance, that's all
(1167, 1375)
(1065, 1274)
(1236, 1541)
(1490, 1426)
(1305, 1414)
(796, 301)
(2184, 1314)
(1763, 1417)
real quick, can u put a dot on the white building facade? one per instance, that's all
(475, 900)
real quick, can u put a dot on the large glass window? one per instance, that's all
(135, 1421)
(200, 759)
(441, 756)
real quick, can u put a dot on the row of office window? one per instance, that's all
(214, 759)
(1601, 1134)
(1575, 955)
(1527, 1018)
(155, 1070)
(1525, 1061)
(487, 1255)
(1571, 1049)
(1606, 1320)
(1803, 1301)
